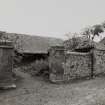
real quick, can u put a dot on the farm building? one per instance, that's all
(32, 47)
(86, 60)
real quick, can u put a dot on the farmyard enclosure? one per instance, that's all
(67, 65)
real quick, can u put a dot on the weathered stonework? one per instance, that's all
(99, 62)
(65, 66)
(77, 65)
(68, 65)
(6, 63)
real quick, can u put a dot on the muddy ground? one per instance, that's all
(37, 91)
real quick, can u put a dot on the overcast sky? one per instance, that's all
(50, 17)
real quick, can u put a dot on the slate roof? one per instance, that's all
(34, 44)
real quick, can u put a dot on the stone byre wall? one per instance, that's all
(99, 62)
(65, 66)
(71, 65)
(77, 65)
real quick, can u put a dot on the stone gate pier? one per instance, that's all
(6, 64)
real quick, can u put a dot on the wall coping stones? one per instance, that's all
(77, 53)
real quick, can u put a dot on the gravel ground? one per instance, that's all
(37, 91)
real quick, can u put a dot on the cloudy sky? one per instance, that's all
(50, 17)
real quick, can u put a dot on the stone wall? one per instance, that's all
(77, 65)
(6, 63)
(99, 62)
(65, 66)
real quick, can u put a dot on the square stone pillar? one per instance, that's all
(6, 64)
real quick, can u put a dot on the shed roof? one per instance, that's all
(34, 44)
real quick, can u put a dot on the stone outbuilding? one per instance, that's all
(87, 60)
(32, 47)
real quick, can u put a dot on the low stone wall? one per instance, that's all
(77, 65)
(6, 63)
(99, 62)
(65, 66)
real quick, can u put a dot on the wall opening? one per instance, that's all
(83, 50)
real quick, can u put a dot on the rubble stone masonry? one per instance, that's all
(99, 62)
(77, 65)
(66, 65)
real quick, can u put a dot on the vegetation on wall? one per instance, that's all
(72, 42)
(87, 35)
